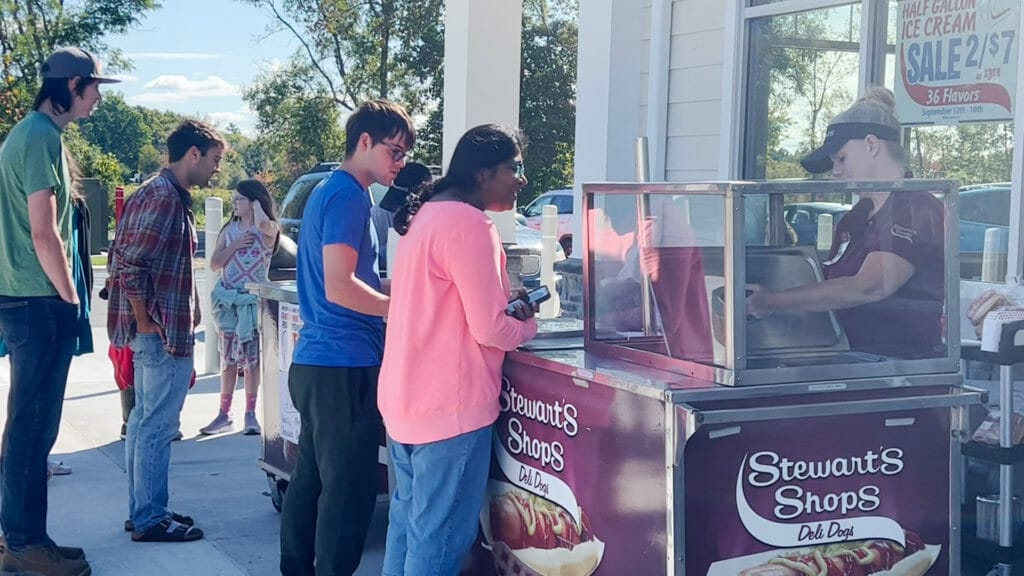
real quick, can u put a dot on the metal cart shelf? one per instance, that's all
(1004, 552)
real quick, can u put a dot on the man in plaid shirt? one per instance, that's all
(154, 308)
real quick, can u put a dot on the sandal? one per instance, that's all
(179, 518)
(168, 530)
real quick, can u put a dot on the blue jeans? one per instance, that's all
(40, 337)
(435, 508)
(161, 383)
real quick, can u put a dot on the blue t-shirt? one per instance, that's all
(337, 212)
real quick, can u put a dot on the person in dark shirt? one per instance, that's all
(884, 272)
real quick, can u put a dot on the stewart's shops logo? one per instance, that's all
(793, 500)
(558, 415)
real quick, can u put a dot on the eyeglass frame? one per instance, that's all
(397, 152)
(518, 167)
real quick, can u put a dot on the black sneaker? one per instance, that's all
(124, 431)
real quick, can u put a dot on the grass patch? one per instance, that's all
(99, 259)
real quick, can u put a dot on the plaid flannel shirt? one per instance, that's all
(151, 260)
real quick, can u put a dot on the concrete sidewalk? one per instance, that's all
(215, 479)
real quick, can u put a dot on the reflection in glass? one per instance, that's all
(649, 257)
(803, 69)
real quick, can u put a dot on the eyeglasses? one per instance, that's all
(519, 169)
(397, 152)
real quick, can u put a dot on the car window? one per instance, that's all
(989, 206)
(564, 204)
(537, 207)
(298, 194)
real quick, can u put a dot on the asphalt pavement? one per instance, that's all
(214, 479)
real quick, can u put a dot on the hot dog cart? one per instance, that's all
(279, 331)
(681, 436)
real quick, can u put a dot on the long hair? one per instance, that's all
(60, 96)
(481, 148)
(255, 191)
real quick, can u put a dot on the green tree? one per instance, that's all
(547, 107)
(94, 163)
(150, 159)
(349, 52)
(118, 129)
(297, 127)
(970, 153)
(31, 29)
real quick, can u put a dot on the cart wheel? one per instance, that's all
(277, 489)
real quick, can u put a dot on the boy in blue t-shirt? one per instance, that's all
(333, 376)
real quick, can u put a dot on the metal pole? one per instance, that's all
(548, 240)
(643, 220)
(214, 220)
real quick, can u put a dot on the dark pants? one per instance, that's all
(333, 489)
(40, 336)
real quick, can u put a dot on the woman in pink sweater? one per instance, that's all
(446, 341)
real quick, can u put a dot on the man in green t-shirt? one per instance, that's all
(39, 305)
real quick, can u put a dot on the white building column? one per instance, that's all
(482, 50)
(609, 94)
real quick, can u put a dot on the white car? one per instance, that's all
(561, 199)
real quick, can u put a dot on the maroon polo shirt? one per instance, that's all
(907, 324)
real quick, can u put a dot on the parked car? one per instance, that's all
(561, 199)
(802, 217)
(982, 207)
(298, 194)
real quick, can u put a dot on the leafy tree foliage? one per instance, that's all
(351, 51)
(118, 129)
(31, 29)
(547, 109)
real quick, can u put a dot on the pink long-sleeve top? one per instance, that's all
(447, 330)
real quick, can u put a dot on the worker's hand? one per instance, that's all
(760, 301)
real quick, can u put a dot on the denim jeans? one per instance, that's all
(333, 489)
(435, 508)
(161, 382)
(40, 337)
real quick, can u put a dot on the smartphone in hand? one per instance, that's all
(535, 296)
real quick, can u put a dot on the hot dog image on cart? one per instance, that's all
(533, 536)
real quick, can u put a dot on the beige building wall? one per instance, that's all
(694, 113)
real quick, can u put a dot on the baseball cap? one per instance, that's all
(411, 177)
(866, 116)
(74, 62)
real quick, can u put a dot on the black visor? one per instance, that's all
(837, 136)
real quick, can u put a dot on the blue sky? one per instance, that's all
(195, 56)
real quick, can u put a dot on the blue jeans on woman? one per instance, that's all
(40, 336)
(435, 508)
(161, 383)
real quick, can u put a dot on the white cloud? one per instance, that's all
(225, 118)
(177, 88)
(175, 56)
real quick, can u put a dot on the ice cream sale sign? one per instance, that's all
(956, 60)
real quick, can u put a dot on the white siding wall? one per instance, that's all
(695, 90)
(645, 68)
